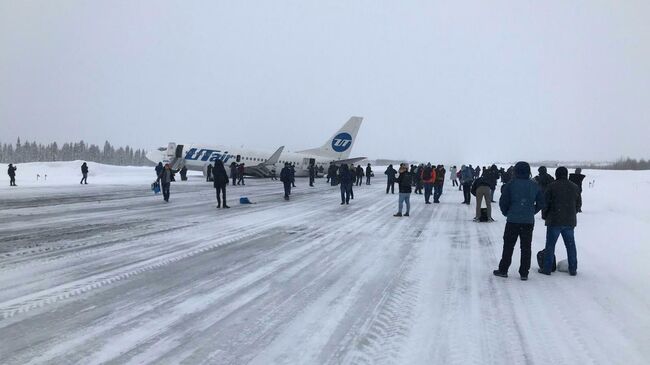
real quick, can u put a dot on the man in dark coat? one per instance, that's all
(368, 174)
(439, 183)
(183, 173)
(11, 171)
(208, 173)
(492, 176)
(233, 173)
(577, 179)
(165, 178)
(84, 173)
(312, 174)
(220, 180)
(292, 170)
(240, 174)
(560, 213)
(543, 178)
(358, 173)
(405, 186)
(481, 190)
(520, 200)
(345, 179)
(285, 177)
(390, 173)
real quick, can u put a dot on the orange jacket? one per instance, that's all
(433, 176)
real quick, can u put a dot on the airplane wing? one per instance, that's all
(350, 160)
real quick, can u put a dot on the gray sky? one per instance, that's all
(434, 80)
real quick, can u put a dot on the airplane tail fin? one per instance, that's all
(340, 144)
(274, 157)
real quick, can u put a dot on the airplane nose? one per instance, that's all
(155, 156)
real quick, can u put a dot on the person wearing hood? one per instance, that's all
(577, 177)
(285, 177)
(390, 173)
(84, 174)
(165, 178)
(345, 178)
(466, 180)
(543, 179)
(428, 177)
(520, 200)
(560, 214)
(11, 171)
(159, 168)
(220, 180)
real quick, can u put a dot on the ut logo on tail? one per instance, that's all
(342, 142)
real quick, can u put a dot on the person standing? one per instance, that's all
(292, 170)
(84, 174)
(560, 214)
(452, 176)
(11, 171)
(439, 183)
(577, 179)
(390, 173)
(345, 178)
(428, 177)
(312, 174)
(359, 175)
(183, 173)
(492, 177)
(520, 200)
(208, 173)
(240, 174)
(233, 173)
(165, 179)
(285, 177)
(466, 180)
(481, 189)
(404, 184)
(220, 180)
(418, 179)
(274, 174)
(368, 174)
(543, 179)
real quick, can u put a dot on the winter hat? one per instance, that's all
(542, 169)
(561, 173)
(522, 170)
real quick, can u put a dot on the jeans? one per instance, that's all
(346, 190)
(525, 234)
(552, 234)
(84, 179)
(165, 190)
(404, 198)
(287, 188)
(368, 180)
(437, 192)
(428, 188)
(221, 190)
(467, 187)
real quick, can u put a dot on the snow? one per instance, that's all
(109, 273)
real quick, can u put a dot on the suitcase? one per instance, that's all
(540, 261)
(155, 187)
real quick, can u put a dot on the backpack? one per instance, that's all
(427, 174)
(484, 215)
(540, 261)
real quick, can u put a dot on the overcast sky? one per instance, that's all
(434, 80)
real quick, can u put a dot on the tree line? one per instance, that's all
(625, 164)
(33, 152)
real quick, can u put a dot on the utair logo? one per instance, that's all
(207, 155)
(342, 142)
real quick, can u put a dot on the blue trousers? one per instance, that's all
(437, 191)
(346, 191)
(404, 198)
(552, 235)
(428, 189)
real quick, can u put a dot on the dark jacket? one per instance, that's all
(521, 198)
(561, 199)
(543, 179)
(492, 176)
(404, 182)
(159, 169)
(312, 171)
(233, 170)
(219, 175)
(84, 169)
(390, 172)
(577, 179)
(368, 171)
(440, 175)
(285, 175)
(166, 176)
(481, 181)
(11, 171)
(345, 177)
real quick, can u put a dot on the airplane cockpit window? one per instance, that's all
(162, 149)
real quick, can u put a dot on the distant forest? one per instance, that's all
(624, 164)
(32, 152)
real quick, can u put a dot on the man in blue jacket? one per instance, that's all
(520, 200)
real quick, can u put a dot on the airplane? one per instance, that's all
(336, 149)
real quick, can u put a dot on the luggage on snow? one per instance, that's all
(540, 261)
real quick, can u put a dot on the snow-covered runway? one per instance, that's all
(110, 274)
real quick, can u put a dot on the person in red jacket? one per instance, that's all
(428, 176)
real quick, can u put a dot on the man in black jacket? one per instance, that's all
(439, 183)
(404, 184)
(220, 180)
(390, 172)
(312, 174)
(11, 171)
(233, 173)
(560, 215)
(285, 177)
(84, 174)
(543, 179)
(368, 174)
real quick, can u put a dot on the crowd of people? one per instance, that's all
(558, 198)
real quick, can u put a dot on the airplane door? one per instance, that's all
(312, 161)
(238, 158)
(179, 151)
